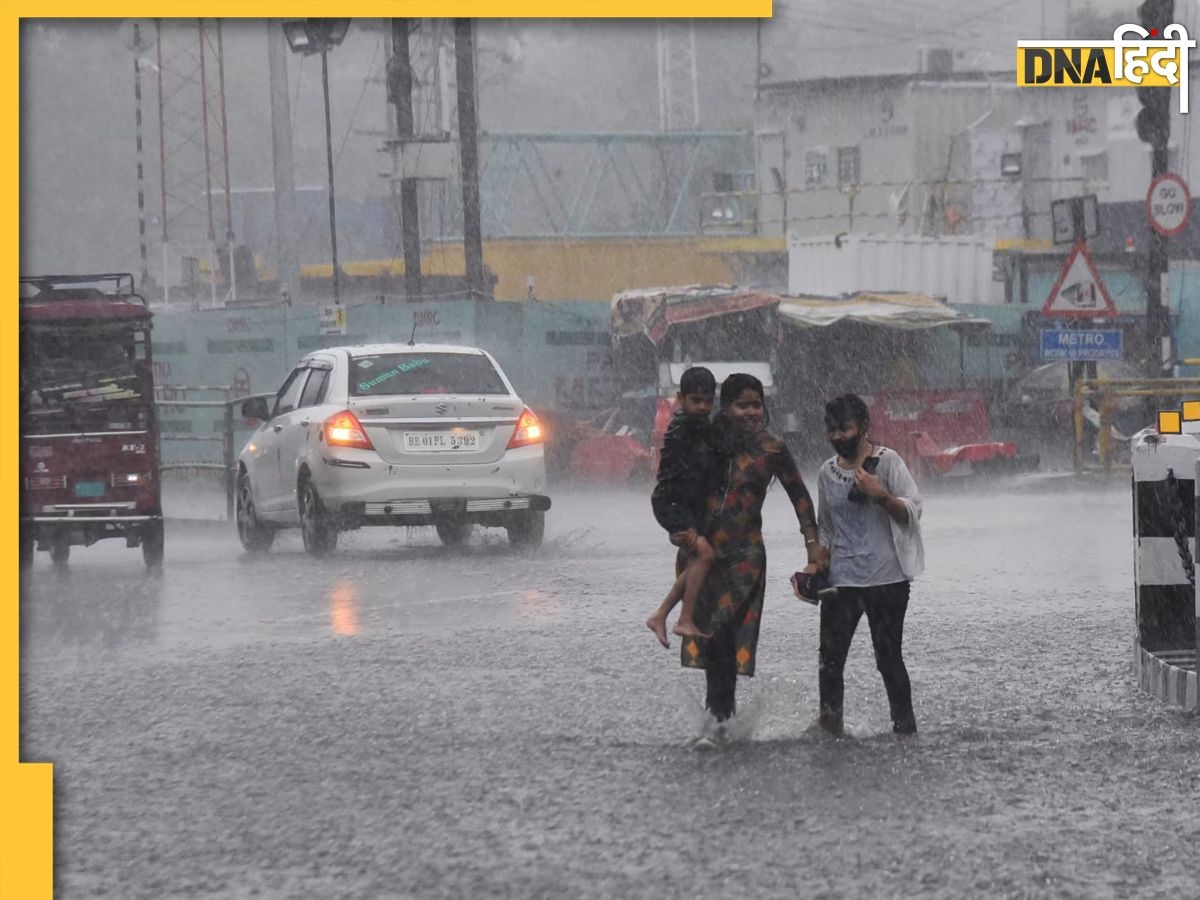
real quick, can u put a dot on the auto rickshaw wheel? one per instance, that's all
(60, 550)
(152, 545)
(27, 545)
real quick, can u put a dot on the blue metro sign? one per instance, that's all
(1078, 345)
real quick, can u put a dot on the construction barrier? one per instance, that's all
(1166, 472)
(1106, 393)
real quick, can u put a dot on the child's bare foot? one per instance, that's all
(687, 628)
(659, 626)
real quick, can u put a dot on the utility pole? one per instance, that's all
(212, 234)
(1158, 317)
(286, 259)
(337, 296)
(758, 65)
(144, 265)
(468, 136)
(229, 236)
(400, 87)
(162, 164)
(1154, 127)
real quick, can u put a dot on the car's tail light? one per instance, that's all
(344, 430)
(528, 431)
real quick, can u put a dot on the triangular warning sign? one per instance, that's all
(1079, 292)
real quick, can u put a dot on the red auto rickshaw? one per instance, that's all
(89, 439)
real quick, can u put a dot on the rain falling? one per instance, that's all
(380, 378)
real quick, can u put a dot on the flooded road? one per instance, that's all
(400, 720)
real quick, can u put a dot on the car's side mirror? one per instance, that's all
(256, 408)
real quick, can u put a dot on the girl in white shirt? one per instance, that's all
(869, 514)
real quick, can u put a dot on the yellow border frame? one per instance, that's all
(26, 814)
(27, 810)
(384, 9)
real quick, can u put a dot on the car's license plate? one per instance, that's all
(89, 489)
(434, 441)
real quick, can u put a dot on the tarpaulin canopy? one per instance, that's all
(669, 374)
(651, 311)
(899, 310)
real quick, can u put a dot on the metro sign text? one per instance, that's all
(1080, 345)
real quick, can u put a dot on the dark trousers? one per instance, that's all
(721, 674)
(885, 606)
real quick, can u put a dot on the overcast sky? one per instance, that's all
(77, 112)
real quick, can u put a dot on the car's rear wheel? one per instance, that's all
(256, 536)
(453, 532)
(152, 545)
(316, 524)
(528, 530)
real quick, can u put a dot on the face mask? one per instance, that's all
(847, 448)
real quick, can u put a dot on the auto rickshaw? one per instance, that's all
(89, 437)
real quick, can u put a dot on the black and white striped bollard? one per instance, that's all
(1165, 499)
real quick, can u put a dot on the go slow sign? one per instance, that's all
(1168, 203)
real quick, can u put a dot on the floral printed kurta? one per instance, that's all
(733, 593)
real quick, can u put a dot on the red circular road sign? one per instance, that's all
(1168, 203)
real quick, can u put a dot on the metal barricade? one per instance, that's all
(172, 398)
(1106, 393)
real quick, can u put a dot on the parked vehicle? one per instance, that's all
(659, 333)
(1042, 398)
(392, 434)
(89, 439)
(944, 434)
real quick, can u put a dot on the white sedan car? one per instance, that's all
(392, 434)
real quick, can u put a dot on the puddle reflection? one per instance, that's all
(537, 604)
(343, 608)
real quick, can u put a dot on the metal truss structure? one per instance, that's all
(586, 184)
(193, 143)
(571, 184)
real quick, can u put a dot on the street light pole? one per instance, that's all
(329, 160)
(311, 36)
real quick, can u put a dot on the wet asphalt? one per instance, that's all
(401, 720)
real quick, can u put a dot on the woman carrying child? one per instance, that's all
(729, 606)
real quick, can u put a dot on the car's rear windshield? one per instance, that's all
(424, 373)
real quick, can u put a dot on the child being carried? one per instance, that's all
(688, 471)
